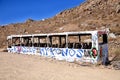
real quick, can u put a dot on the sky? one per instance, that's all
(17, 11)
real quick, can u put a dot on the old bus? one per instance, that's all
(84, 46)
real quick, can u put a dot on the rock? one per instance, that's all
(61, 28)
(29, 20)
(84, 24)
(111, 35)
(118, 8)
(116, 65)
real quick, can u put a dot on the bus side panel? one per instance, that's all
(70, 55)
(9, 49)
(13, 49)
(22, 49)
(67, 54)
(74, 55)
(62, 53)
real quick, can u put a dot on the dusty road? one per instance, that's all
(28, 67)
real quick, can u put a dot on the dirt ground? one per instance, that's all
(29, 67)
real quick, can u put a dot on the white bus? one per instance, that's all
(84, 46)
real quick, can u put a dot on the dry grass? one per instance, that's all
(115, 62)
(116, 53)
(115, 29)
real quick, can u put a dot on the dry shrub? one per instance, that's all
(116, 60)
(116, 52)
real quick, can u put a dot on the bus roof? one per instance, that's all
(59, 34)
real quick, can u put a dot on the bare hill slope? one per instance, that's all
(90, 15)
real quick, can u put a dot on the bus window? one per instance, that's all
(54, 42)
(72, 41)
(9, 42)
(16, 41)
(86, 41)
(80, 41)
(42, 41)
(102, 39)
(57, 41)
(105, 40)
(62, 41)
(26, 41)
(36, 41)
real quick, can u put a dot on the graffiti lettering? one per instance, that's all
(57, 53)
(71, 52)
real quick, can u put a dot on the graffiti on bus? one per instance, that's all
(67, 54)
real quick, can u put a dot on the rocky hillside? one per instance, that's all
(90, 15)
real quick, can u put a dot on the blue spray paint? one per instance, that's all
(72, 52)
(79, 55)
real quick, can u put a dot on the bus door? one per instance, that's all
(103, 48)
